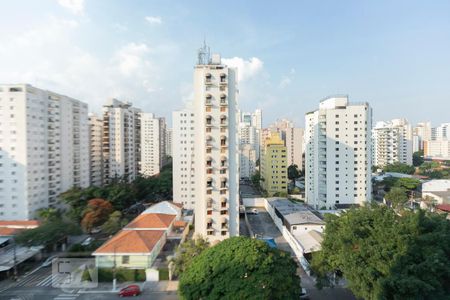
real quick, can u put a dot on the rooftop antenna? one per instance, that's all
(204, 54)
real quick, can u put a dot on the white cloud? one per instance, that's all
(246, 68)
(131, 57)
(153, 19)
(285, 81)
(75, 6)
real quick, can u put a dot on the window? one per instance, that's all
(125, 259)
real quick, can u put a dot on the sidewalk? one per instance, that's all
(152, 286)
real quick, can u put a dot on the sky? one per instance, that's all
(289, 54)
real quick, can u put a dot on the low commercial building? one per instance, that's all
(438, 189)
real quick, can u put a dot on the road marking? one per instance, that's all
(66, 297)
(47, 281)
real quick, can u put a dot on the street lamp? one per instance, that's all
(14, 259)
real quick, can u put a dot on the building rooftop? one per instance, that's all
(295, 213)
(164, 207)
(151, 221)
(20, 224)
(303, 217)
(310, 241)
(132, 242)
(443, 207)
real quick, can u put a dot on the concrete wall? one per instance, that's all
(299, 229)
(254, 202)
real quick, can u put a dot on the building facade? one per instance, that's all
(247, 156)
(44, 149)
(338, 153)
(274, 165)
(183, 174)
(121, 141)
(439, 150)
(216, 165)
(153, 144)
(392, 143)
(169, 142)
(95, 150)
(421, 133)
(294, 146)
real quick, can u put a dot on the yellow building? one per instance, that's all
(274, 165)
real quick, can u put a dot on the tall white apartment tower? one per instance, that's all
(294, 145)
(338, 153)
(96, 150)
(183, 174)
(216, 148)
(121, 141)
(392, 142)
(44, 149)
(441, 133)
(153, 144)
(169, 141)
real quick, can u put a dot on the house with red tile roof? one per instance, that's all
(138, 244)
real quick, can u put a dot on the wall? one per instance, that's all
(305, 228)
(254, 202)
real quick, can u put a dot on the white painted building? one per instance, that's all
(95, 150)
(169, 141)
(153, 144)
(392, 142)
(247, 154)
(44, 149)
(437, 149)
(421, 133)
(121, 141)
(338, 153)
(183, 158)
(441, 132)
(216, 165)
(294, 146)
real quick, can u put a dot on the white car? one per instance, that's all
(48, 261)
(253, 211)
(304, 294)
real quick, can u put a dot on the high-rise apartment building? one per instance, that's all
(247, 156)
(441, 132)
(44, 149)
(216, 164)
(439, 150)
(153, 144)
(121, 141)
(392, 142)
(169, 142)
(338, 153)
(421, 133)
(95, 150)
(183, 178)
(281, 126)
(294, 146)
(274, 165)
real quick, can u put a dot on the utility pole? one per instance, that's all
(114, 270)
(15, 259)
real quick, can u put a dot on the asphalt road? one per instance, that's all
(263, 225)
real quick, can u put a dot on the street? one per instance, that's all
(263, 225)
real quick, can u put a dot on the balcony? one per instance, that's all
(223, 100)
(208, 100)
(223, 79)
(209, 121)
(208, 79)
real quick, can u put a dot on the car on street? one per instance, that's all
(87, 241)
(48, 261)
(131, 290)
(253, 211)
(304, 294)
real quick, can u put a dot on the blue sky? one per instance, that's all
(291, 54)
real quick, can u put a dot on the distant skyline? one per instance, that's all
(393, 54)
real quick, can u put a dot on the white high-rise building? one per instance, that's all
(183, 174)
(392, 142)
(247, 167)
(439, 150)
(441, 133)
(216, 165)
(421, 133)
(169, 141)
(121, 141)
(338, 153)
(153, 144)
(281, 126)
(294, 145)
(44, 149)
(96, 150)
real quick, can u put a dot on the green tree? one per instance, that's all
(48, 233)
(418, 158)
(408, 183)
(397, 196)
(293, 173)
(399, 168)
(241, 268)
(114, 223)
(386, 256)
(256, 178)
(48, 214)
(186, 252)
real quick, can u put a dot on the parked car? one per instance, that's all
(131, 290)
(87, 241)
(48, 261)
(253, 211)
(304, 294)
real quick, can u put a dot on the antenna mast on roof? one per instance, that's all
(204, 54)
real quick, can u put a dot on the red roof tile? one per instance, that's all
(5, 231)
(155, 221)
(20, 224)
(131, 241)
(443, 207)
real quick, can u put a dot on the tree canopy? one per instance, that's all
(241, 268)
(399, 168)
(386, 256)
(96, 213)
(397, 196)
(186, 252)
(293, 172)
(418, 158)
(48, 233)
